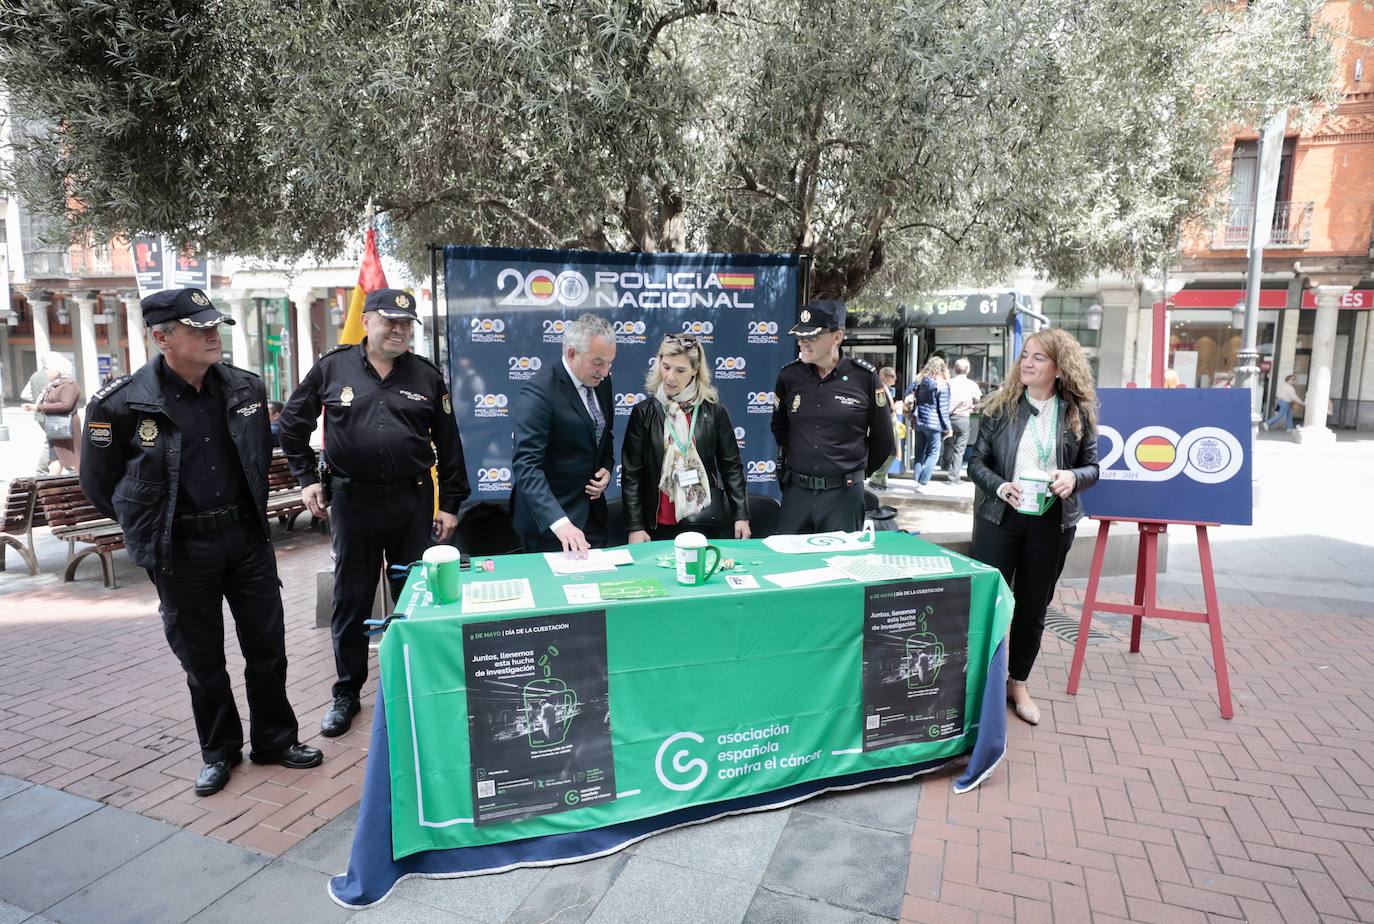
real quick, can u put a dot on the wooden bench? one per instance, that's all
(21, 500)
(74, 520)
(283, 493)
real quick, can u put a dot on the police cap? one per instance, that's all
(817, 317)
(191, 307)
(392, 304)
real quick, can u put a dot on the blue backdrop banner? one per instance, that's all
(1174, 454)
(506, 312)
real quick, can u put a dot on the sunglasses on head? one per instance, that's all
(685, 340)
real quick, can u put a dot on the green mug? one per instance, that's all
(1036, 496)
(443, 569)
(691, 551)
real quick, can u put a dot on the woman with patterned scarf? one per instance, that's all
(680, 463)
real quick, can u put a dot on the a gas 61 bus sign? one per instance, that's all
(1180, 454)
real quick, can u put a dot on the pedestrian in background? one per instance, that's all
(888, 376)
(964, 395)
(1042, 420)
(56, 408)
(928, 399)
(1286, 398)
(680, 465)
(178, 454)
(386, 412)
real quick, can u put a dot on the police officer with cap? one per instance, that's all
(832, 425)
(386, 412)
(178, 454)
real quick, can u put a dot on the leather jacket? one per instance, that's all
(131, 455)
(994, 458)
(641, 466)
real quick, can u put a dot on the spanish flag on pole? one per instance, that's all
(370, 279)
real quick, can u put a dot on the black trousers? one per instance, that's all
(594, 530)
(236, 564)
(808, 511)
(366, 529)
(1030, 552)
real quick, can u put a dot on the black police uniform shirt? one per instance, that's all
(207, 451)
(835, 425)
(376, 431)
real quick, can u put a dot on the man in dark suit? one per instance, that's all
(564, 446)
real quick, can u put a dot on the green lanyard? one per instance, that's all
(691, 432)
(1043, 451)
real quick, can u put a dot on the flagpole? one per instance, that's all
(434, 304)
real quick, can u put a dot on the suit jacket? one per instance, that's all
(556, 452)
(641, 467)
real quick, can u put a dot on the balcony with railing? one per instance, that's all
(1292, 226)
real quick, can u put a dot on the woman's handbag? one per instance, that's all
(57, 426)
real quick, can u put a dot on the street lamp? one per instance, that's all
(336, 315)
(269, 312)
(1238, 316)
(1094, 314)
(64, 314)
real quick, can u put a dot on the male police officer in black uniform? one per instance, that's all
(383, 406)
(832, 425)
(178, 453)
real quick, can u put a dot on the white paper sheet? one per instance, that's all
(596, 560)
(582, 593)
(837, 541)
(741, 581)
(497, 596)
(805, 578)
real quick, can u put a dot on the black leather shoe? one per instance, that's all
(297, 757)
(214, 777)
(340, 716)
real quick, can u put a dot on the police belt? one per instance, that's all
(207, 521)
(377, 489)
(824, 482)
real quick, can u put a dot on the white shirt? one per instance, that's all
(1287, 393)
(964, 395)
(1043, 425)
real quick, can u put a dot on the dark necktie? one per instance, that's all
(595, 408)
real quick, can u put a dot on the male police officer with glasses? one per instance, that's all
(386, 412)
(178, 453)
(832, 425)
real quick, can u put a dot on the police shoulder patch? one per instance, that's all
(113, 387)
(863, 364)
(794, 362)
(337, 349)
(241, 369)
(426, 360)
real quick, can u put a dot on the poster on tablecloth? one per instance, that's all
(538, 715)
(915, 661)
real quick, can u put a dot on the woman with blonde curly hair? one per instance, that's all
(1042, 420)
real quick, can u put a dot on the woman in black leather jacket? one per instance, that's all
(680, 464)
(1044, 418)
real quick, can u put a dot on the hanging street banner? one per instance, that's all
(1177, 454)
(507, 309)
(538, 715)
(915, 661)
(149, 265)
(158, 266)
(192, 270)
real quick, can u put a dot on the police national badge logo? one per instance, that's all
(880, 394)
(806, 315)
(100, 433)
(402, 302)
(346, 396)
(796, 402)
(448, 405)
(147, 431)
(199, 298)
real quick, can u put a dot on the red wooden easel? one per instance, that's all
(1146, 604)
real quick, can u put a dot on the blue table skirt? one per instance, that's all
(372, 873)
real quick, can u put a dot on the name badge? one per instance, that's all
(688, 477)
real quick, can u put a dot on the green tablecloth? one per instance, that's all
(571, 717)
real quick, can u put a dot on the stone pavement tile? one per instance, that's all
(649, 890)
(569, 893)
(53, 867)
(775, 908)
(890, 806)
(170, 882)
(738, 846)
(399, 911)
(841, 863)
(484, 898)
(37, 812)
(280, 891)
(9, 785)
(10, 914)
(326, 851)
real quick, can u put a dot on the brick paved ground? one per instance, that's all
(1135, 800)
(93, 702)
